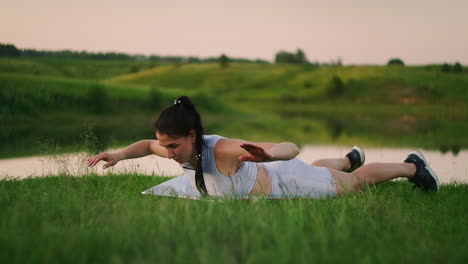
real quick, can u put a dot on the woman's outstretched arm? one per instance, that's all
(269, 152)
(136, 150)
(242, 150)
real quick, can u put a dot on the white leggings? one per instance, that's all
(295, 178)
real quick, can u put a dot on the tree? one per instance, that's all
(193, 60)
(445, 68)
(284, 57)
(8, 50)
(335, 87)
(395, 62)
(300, 56)
(457, 67)
(295, 58)
(134, 69)
(223, 61)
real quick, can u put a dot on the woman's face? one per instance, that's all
(179, 149)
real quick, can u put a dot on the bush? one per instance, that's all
(134, 69)
(335, 87)
(395, 62)
(445, 68)
(223, 61)
(296, 58)
(457, 67)
(8, 50)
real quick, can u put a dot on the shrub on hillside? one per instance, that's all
(301, 57)
(457, 67)
(134, 69)
(395, 62)
(223, 61)
(445, 68)
(335, 87)
(286, 57)
(8, 50)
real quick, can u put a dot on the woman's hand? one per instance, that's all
(110, 158)
(258, 154)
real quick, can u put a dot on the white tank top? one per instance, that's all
(239, 184)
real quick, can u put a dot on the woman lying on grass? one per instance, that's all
(225, 167)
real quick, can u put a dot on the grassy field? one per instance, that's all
(95, 219)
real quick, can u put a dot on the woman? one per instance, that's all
(236, 167)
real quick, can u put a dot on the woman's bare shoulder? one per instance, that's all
(226, 145)
(227, 152)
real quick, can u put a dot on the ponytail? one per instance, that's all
(177, 121)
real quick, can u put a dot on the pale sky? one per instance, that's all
(358, 31)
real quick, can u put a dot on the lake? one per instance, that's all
(450, 167)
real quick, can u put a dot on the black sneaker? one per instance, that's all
(356, 157)
(425, 178)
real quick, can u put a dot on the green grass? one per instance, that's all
(96, 219)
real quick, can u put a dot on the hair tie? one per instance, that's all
(177, 102)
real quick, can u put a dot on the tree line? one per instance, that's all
(456, 67)
(9, 50)
(298, 57)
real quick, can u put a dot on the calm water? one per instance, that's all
(29, 136)
(449, 167)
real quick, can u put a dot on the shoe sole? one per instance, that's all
(361, 154)
(433, 174)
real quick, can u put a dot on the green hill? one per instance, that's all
(265, 83)
(57, 101)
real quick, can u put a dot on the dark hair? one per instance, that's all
(177, 121)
